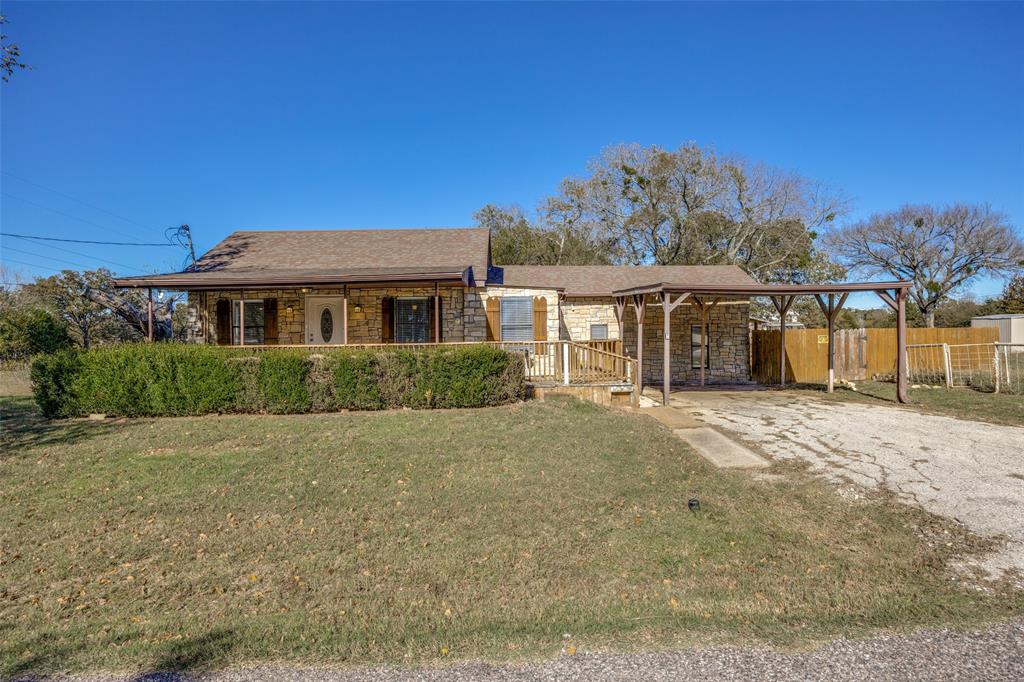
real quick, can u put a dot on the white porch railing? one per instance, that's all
(563, 362)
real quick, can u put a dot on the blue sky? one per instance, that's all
(274, 115)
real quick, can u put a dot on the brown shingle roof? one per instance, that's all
(602, 280)
(249, 254)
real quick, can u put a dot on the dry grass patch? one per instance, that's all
(408, 537)
(965, 403)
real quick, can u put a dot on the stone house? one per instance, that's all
(301, 287)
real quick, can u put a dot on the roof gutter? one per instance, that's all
(197, 282)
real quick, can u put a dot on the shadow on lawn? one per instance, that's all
(189, 655)
(22, 426)
(179, 662)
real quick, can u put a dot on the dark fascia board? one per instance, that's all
(761, 289)
(178, 282)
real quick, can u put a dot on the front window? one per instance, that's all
(253, 322)
(517, 318)
(695, 354)
(598, 332)
(412, 320)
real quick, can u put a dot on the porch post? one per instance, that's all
(666, 370)
(831, 343)
(640, 308)
(901, 345)
(344, 315)
(437, 313)
(149, 316)
(241, 317)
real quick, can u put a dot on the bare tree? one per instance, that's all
(938, 250)
(692, 206)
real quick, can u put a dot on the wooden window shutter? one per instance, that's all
(224, 322)
(270, 321)
(387, 319)
(540, 319)
(493, 311)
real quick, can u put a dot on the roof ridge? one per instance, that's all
(285, 230)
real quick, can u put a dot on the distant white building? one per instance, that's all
(1011, 327)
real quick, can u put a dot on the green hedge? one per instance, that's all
(181, 379)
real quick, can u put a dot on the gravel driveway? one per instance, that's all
(965, 470)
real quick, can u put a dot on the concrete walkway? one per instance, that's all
(718, 449)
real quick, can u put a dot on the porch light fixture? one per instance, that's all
(304, 290)
(288, 309)
(358, 308)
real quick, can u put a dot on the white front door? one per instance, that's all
(324, 320)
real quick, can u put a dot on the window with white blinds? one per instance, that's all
(517, 318)
(412, 320)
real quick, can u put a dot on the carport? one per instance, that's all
(830, 298)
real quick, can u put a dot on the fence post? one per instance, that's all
(948, 365)
(565, 363)
(995, 364)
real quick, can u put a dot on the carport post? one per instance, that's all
(901, 345)
(831, 311)
(782, 304)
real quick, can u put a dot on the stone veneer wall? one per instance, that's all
(462, 315)
(728, 339)
(578, 314)
(464, 319)
(498, 292)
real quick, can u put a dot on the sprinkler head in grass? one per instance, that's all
(694, 505)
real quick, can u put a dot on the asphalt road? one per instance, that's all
(991, 654)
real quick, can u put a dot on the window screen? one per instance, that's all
(412, 320)
(695, 354)
(253, 322)
(517, 318)
(598, 332)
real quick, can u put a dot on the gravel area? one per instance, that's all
(992, 654)
(969, 471)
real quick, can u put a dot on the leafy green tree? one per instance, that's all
(515, 241)
(88, 321)
(28, 331)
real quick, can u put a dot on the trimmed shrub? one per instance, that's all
(52, 377)
(354, 376)
(281, 377)
(181, 379)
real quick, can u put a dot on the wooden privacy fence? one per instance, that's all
(860, 353)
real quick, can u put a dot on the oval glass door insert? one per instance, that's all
(326, 325)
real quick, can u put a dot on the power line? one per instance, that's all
(82, 241)
(56, 260)
(67, 215)
(68, 196)
(32, 265)
(86, 255)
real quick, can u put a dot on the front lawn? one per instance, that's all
(422, 536)
(965, 403)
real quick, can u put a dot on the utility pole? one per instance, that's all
(187, 232)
